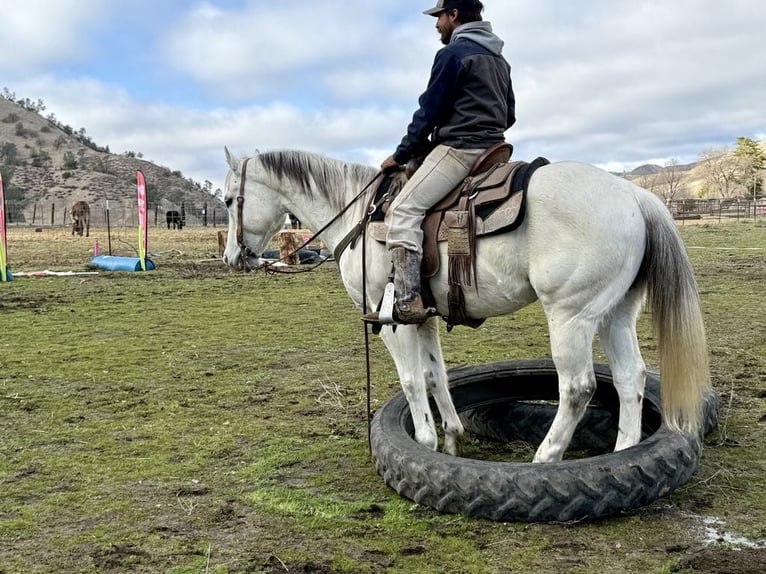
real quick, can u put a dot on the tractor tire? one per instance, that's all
(487, 396)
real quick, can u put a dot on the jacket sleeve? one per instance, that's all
(435, 105)
(511, 105)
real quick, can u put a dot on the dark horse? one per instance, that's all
(81, 218)
(175, 219)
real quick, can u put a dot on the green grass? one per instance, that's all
(195, 419)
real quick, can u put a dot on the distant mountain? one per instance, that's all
(44, 162)
(647, 169)
(652, 169)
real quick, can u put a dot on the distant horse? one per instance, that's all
(81, 218)
(591, 247)
(174, 218)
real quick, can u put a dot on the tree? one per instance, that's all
(721, 170)
(70, 160)
(649, 181)
(40, 158)
(152, 193)
(752, 163)
(8, 154)
(14, 196)
(671, 184)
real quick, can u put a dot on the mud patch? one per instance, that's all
(119, 556)
(714, 560)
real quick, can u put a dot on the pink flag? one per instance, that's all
(143, 230)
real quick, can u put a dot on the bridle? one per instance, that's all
(246, 252)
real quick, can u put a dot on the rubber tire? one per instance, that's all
(597, 431)
(571, 490)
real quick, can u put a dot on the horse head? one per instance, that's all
(256, 212)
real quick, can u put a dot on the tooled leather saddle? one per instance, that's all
(491, 200)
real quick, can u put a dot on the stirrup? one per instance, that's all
(391, 313)
(385, 313)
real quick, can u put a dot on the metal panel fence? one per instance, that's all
(712, 210)
(116, 214)
(214, 214)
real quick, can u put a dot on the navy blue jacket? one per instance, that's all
(469, 101)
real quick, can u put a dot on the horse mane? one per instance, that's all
(311, 172)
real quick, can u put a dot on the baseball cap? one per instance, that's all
(443, 5)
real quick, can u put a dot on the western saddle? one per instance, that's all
(490, 200)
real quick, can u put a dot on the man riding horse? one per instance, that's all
(466, 109)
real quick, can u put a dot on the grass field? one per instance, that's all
(196, 419)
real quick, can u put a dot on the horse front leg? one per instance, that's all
(437, 383)
(405, 348)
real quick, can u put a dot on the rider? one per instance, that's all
(466, 108)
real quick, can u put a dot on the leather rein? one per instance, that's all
(349, 240)
(246, 252)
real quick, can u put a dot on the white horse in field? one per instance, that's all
(591, 247)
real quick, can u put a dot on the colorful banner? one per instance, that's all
(143, 231)
(3, 240)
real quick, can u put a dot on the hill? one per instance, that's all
(46, 162)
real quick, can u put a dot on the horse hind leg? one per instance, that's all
(620, 343)
(572, 350)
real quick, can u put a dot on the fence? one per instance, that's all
(115, 214)
(717, 209)
(214, 214)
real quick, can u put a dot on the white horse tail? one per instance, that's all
(672, 292)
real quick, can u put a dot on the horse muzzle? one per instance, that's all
(245, 259)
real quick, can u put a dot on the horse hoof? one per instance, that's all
(453, 445)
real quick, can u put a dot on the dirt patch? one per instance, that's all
(726, 561)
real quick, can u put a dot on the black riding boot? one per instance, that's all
(408, 305)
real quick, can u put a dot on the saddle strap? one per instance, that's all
(457, 312)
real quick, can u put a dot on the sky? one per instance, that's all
(616, 84)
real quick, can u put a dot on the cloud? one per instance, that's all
(265, 50)
(36, 33)
(625, 81)
(603, 82)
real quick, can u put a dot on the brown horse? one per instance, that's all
(81, 218)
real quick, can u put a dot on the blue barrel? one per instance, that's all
(114, 263)
(8, 276)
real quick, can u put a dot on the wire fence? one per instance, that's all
(214, 214)
(118, 214)
(712, 210)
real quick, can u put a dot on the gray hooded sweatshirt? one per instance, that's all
(469, 101)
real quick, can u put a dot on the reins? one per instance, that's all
(245, 251)
(349, 239)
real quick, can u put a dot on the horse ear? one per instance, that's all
(231, 160)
